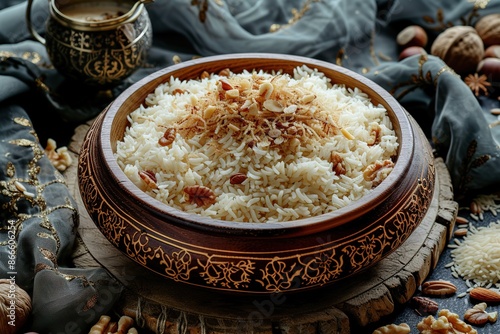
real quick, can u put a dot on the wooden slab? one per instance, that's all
(349, 306)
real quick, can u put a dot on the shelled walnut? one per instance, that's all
(124, 325)
(460, 47)
(59, 157)
(447, 322)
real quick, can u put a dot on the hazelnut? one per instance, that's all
(460, 47)
(411, 51)
(412, 36)
(493, 51)
(488, 28)
(490, 67)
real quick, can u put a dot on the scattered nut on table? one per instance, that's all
(484, 295)
(393, 329)
(59, 157)
(447, 322)
(478, 316)
(106, 326)
(438, 288)
(424, 305)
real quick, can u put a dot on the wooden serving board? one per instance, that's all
(353, 305)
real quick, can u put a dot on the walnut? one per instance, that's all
(15, 306)
(59, 157)
(393, 329)
(478, 316)
(430, 325)
(460, 47)
(447, 322)
(106, 326)
(457, 323)
(488, 28)
(378, 171)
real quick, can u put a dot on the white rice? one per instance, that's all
(477, 257)
(287, 181)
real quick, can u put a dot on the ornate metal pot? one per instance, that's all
(96, 42)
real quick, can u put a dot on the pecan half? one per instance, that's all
(438, 288)
(168, 137)
(478, 316)
(424, 305)
(201, 195)
(149, 178)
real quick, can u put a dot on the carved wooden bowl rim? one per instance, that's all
(113, 126)
(254, 257)
(135, 95)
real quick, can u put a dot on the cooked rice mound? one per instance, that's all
(257, 146)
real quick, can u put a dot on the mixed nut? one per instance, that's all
(478, 316)
(467, 49)
(482, 293)
(258, 111)
(439, 288)
(106, 325)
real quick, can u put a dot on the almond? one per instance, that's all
(485, 295)
(438, 288)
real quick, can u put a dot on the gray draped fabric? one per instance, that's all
(358, 34)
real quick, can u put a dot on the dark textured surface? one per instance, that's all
(453, 303)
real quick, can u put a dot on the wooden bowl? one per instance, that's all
(250, 257)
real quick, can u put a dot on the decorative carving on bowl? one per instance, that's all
(256, 260)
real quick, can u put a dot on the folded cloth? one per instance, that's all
(39, 218)
(357, 34)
